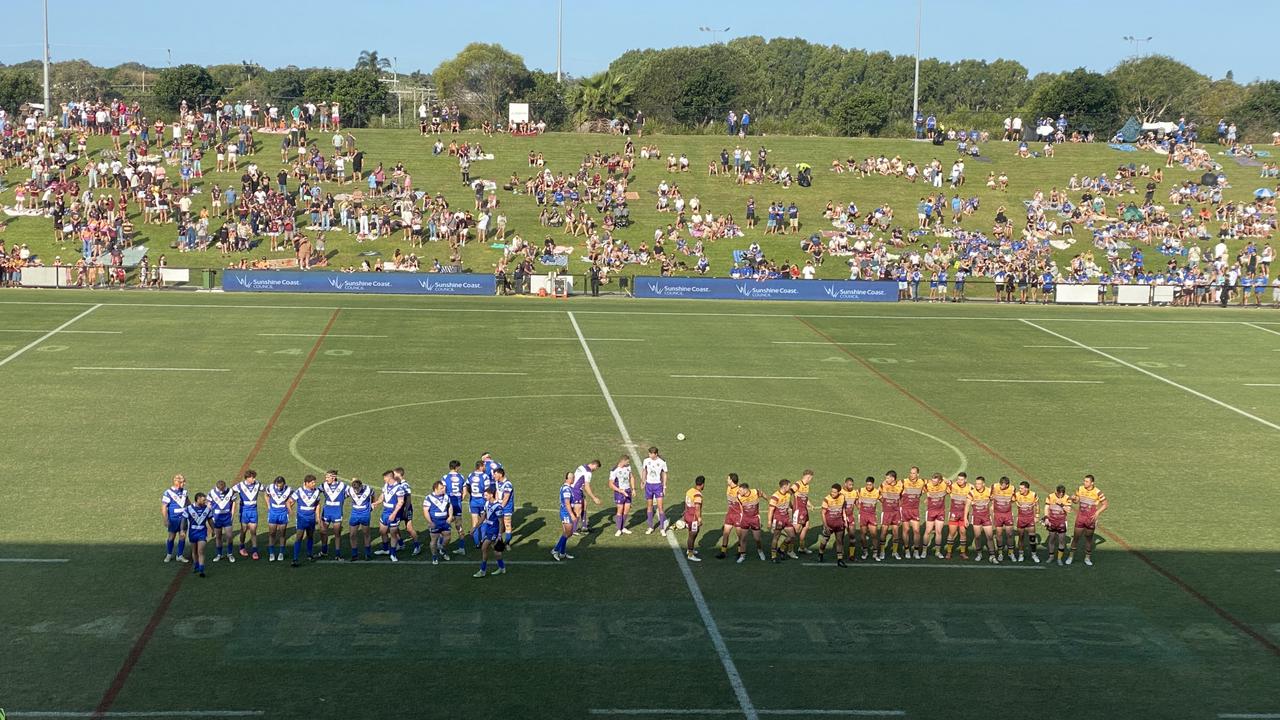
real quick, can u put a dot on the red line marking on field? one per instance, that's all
(139, 645)
(1239, 624)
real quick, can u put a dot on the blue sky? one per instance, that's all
(421, 34)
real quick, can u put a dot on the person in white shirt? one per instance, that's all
(655, 487)
(808, 272)
(620, 483)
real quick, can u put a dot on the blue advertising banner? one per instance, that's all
(731, 289)
(360, 282)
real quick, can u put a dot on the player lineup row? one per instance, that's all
(876, 518)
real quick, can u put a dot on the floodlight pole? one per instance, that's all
(915, 102)
(46, 59)
(559, 39)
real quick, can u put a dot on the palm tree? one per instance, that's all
(369, 60)
(602, 96)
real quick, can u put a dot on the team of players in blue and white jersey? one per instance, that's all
(487, 494)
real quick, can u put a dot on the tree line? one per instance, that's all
(788, 84)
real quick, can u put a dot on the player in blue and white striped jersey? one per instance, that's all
(505, 493)
(455, 487)
(306, 500)
(199, 517)
(278, 496)
(334, 493)
(406, 511)
(491, 520)
(439, 512)
(361, 496)
(248, 490)
(173, 508)
(392, 500)
(477, 482)
(223, 502)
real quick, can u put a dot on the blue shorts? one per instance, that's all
(249, 517)
(455, 502)
(278, 517)
(509, 509)
(306, 522)
(359, 519)
(222, 521)
(565, 517)
(488, 533)
(387, 519)
(175, 524)
(477, 506)
(332, 515)
(197, 534)
(440, 525)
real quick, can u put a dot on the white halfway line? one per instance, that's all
(16, 353)
(155, 369)
(747, 377)
(704, 611)
(592, 339)
(930, 566)
(33, 560)
(71, 332)
(730, 711)
(332, 335)
(822, 342)
(446, 372)
(1007, 380)
(1161, 378)
(138, 714)
(1100, 347)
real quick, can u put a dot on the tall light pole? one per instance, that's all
(47, 109)
(715, 33)
(1136, 41)
(915, 102)
(559, 40)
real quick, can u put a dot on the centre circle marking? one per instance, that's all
(293, 442)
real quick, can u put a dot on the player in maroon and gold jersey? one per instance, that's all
(1002, 502)
(958, 520)
(833, 523)
(912, 489)
(891, 514)
(935, 509)
(1028, 513)
(732, 515)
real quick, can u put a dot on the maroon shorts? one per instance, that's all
(1004, 519)
(1026, 523)
(981, 521)
(932, 515)
(833, 527)
(779, 520)
(733, 517)
(802, 514)
(1086, 523)
(891, 517)
(867, 521)
(690, 516)
(1057, 527)
(910, 513)
(748, 522)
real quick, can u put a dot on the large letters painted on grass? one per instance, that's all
(361, 282)
(729, 289)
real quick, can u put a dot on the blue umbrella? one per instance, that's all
(1263, 193)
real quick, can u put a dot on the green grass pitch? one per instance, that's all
(1175, 412)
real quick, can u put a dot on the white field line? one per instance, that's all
(313, 335)
(153, 369)
(1262, 384)
(929, 566)
(747, 377)
(511, 311)
(34, 561)
(71, 332)
(713, 630)
(1263, 329)
(823, 342)
(594, 339)
(1010, 380)
(1099, 347)
(138, 714)
(1161, 378)
(17, 353)
(446, 372)
(795, 712)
